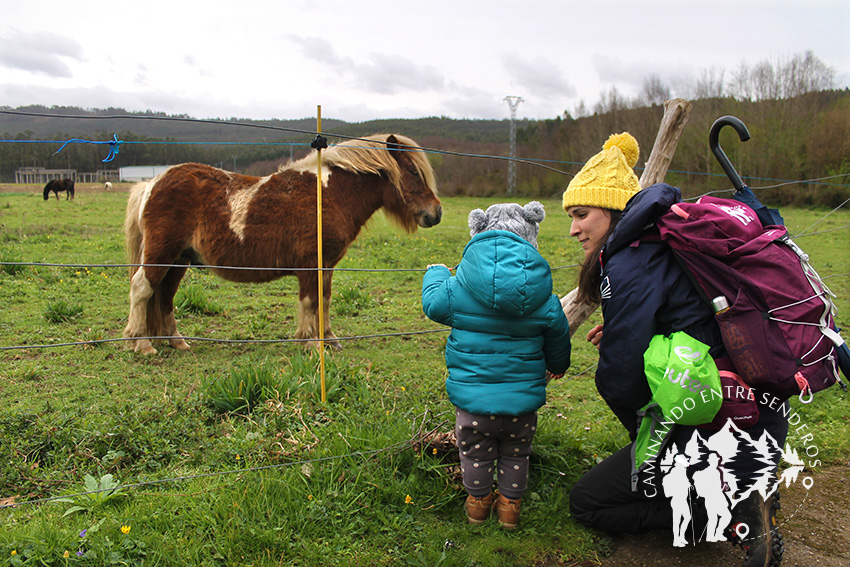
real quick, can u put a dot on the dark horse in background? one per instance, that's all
(197, 214)
(57, 185)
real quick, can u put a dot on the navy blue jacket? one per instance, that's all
(644, 293)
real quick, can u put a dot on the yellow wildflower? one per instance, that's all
(408, 499)
(67, 554)
(125, 530)
(434, 450)
(14, 552)
(309, 497)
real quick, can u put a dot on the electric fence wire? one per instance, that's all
(363, 454)
(301, 131)
(530, 161)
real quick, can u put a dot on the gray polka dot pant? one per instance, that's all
(494, 445)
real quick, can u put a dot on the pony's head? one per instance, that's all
(413, 202)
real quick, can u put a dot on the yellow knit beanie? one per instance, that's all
(607, 179)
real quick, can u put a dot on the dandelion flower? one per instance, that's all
(408, 499)
(309, 497)
(67, 554)
(402, 389)
(125, 530)
(14, 552)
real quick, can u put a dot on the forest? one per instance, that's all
(798, 154)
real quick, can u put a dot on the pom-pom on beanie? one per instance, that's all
(522, 221)
(607, 179)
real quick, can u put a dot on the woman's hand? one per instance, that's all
(432, 265)
(594, 337)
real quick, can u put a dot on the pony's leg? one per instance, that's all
(141, 292)
(308, 310)
(168, 289)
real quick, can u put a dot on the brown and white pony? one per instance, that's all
(195, 213)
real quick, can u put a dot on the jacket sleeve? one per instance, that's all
(635, 293)
(436, 301)
(556, 339)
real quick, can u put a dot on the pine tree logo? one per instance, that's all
(797, 465)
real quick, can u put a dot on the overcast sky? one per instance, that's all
(367, 59)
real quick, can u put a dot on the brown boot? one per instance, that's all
(508, 512)
(478, 509)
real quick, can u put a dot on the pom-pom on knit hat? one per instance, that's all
(522, 221)
(607, 179)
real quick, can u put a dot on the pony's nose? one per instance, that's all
(428, 219)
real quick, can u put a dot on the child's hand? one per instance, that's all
(432, 265)
(550, 376)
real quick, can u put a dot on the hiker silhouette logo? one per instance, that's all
(709, 474)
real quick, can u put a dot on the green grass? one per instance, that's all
(314, 483)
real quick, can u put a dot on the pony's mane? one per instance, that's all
(370, 155)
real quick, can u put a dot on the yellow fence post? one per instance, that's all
(321, 313)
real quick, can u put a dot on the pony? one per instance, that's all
(107, 186)
(198, 214)
(57, 185)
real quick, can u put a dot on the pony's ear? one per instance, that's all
(394, 144)
(533, 212)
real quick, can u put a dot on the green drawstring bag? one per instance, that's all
(684, 379)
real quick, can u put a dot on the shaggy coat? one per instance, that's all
(197, 214)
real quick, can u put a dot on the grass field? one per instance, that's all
(293, 481)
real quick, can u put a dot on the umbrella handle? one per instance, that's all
(718, 152)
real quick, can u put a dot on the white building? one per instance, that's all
(140, 172)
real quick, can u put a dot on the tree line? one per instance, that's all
(800, 128)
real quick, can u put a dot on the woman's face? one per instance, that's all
(589, 226)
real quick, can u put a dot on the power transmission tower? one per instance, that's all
(513, 103)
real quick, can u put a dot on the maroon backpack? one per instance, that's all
(774, 312)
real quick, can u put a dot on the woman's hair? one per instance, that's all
(591, 275)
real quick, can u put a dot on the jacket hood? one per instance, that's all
(640, 213)
(505, 272)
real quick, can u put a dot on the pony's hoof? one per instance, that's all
(180, 344)
(146, 350)
(316, 345)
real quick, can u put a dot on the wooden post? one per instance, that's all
(677, 111)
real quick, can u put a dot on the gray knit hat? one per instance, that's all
(522, 221)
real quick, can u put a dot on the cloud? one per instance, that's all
(632, 74)
(391, 74)
(39, 52)
(382, 74)
(320, 50)
(538, 76)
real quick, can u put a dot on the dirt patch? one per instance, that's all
(815, 525)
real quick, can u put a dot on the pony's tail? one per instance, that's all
(133, 227)
(134, 246)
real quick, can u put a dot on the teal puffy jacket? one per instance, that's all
(508, 327)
